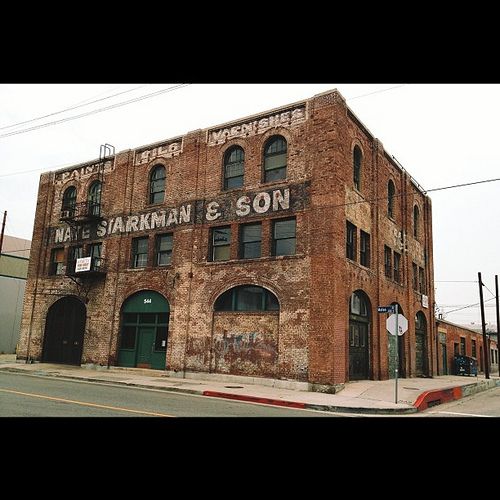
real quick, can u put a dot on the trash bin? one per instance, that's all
(465, 365)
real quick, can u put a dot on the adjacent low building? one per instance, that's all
(454, 340)
(14, 260)
(259, 247)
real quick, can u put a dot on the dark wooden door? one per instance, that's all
(358, 350)
(64, 332)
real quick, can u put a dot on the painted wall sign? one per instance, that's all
(165, 150)
(222, 209)
(285, 118)
(83, 172)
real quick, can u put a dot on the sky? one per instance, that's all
(442, 134)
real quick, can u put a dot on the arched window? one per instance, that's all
(247, 298)
(69, 200)
(391, 190)
(275, 159)
(157, 184)
(357, 158)
(416, 215)
(94, 198)
(234, 167)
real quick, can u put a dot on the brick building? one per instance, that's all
(453, 340)
(259, 247)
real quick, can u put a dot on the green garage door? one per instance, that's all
(144, 331)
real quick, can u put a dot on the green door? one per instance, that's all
(144, 331)
(145, 346)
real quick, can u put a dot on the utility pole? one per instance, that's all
(3, 229)
(486, 349)
(498, 317)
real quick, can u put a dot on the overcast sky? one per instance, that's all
(442, 134)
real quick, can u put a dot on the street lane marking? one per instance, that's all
(82, 403)
(463, 414)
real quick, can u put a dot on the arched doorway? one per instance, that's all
(359, 339)
(392, 350)
(245, 332)
(64, 331)
(143, 331)
(421, 345)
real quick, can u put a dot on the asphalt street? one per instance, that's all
(33, 396)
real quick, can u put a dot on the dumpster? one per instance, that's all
(465, 365)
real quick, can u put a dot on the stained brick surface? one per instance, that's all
(308, 339)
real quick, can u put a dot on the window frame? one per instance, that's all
(159, 252)
(56, 268)
(69, 203)
(274, 240)
(267, 156)
(135, 254)
(214, 245)
(387, 262)
(364, 248)
(227, 164)
(357, 167)
(397, 270)
(416, 221)
(234, 292)
(152, 193)
(94, 197)
(390, 198)
(242, 242)
(351, 241)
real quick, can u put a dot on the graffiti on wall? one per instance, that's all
(245, 352)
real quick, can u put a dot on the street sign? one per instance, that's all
(391, 324)
(385, 309)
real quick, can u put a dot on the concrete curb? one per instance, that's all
(439, 396)
(255, 399)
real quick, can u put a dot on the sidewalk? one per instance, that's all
(366, 396)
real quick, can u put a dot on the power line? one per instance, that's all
(99, 110)
(374, 200)
(376, 92)
(455, 281)
(76, 106)
(471, 305)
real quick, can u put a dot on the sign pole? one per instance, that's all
(397, 357)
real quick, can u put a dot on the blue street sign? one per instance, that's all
(385, 309)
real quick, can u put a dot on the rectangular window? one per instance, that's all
(421, 280)
(474, 352)
(350, 243)
(164, 249)
(398, 274)
(95, 251)
(284, 237)
(57, 261)
(128, 337)
(462, 346)
(74, 253)
(250, 241)
(139, 252)
(161, 338)
(496, 356)
(455, 349)
(220, 243)
(415, 277)
(387, 262)
(364, 249)
(491, 356)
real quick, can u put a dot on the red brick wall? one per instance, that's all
(313, 286)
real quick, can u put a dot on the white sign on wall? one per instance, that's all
(83, 264)
(425, 301)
